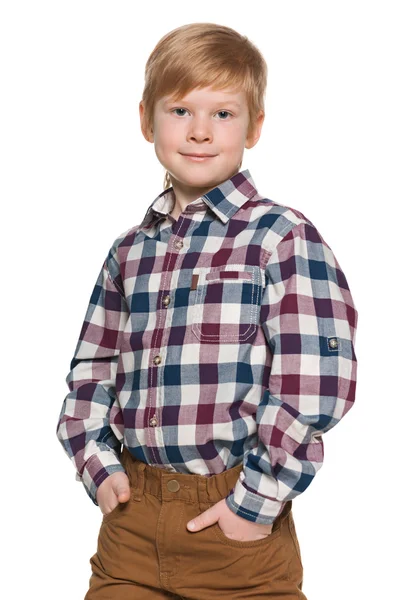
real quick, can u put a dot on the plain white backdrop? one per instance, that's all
(76, 172)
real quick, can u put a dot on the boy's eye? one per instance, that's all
(175, 109)
(224, 112)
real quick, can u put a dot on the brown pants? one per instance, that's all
(145, 551)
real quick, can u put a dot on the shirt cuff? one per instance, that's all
(97, 469)
(252, 506)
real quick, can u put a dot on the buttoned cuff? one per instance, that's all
(252, 506)
(97, 469)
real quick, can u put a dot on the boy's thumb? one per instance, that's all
(121, 489)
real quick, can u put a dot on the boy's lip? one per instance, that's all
(199, 155)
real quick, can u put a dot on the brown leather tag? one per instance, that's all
(195, 279)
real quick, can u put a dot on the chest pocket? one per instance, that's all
(227, 304)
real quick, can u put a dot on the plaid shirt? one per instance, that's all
(225, 336)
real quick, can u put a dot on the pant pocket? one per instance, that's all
(269, 539)
(120, 509)
(214, 566)
(293, 533)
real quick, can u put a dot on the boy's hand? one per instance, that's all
(115, 488)
(233, 526)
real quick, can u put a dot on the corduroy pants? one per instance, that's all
(145, 551)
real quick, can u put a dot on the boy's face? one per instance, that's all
(204, 121)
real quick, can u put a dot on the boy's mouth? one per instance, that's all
(199, 157)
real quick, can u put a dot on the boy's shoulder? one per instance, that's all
(283, 213)
(123, 240)
(126, 237)
(276, 220)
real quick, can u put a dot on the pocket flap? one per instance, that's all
(222, 275)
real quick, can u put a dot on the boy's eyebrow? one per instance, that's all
(233, 102)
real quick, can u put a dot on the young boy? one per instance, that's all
(217, 348)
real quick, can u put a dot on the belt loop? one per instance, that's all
(203, 496)
(137, 491)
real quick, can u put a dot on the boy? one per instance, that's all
(217, 347)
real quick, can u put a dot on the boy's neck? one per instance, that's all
(184, 195)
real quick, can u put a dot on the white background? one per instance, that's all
(76, 171)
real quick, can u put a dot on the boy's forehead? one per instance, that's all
(208, 95)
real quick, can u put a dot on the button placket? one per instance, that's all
(153, 422)
(178, 245)
(166, 300)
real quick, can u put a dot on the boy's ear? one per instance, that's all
(148, 135)
(253, 137)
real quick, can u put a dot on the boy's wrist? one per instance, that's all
(98, 467)
(244, 503)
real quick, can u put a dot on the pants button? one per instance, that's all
(173, 485)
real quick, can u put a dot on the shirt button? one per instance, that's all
(166, 300)
(153, 421)
(333, 343)
(157, 359)
(178, 244)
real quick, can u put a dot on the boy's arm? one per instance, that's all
(309, 320)
(83, 427)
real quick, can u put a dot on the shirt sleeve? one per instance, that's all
(83, 427)
(309, 321)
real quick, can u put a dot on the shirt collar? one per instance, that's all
(224, 200)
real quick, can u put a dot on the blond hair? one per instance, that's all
(199, 55)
